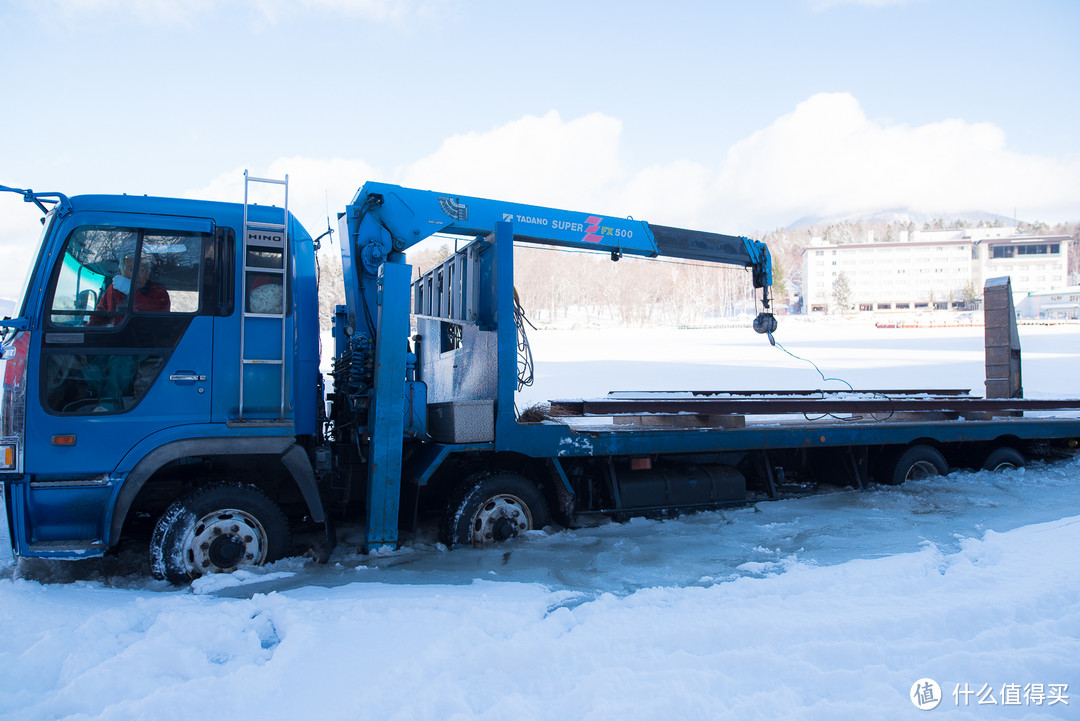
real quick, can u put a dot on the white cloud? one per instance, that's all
(826, 157)
(670, 194)
(318, 187)
(538, 160)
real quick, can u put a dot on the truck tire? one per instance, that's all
(917, 463)
(216, 529)
(491, 508)
(1003, 459)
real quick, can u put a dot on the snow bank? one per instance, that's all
(827, 607)
(812, 642)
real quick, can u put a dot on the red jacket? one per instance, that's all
(152, 298)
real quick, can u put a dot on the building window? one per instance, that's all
(1008, 251)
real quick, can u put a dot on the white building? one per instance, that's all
(1062, 303)
(932, 269)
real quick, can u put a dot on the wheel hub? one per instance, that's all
(503, 529)
(225, 551)
(500, 519)
(223, 540)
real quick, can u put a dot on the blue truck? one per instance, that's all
(162, 386)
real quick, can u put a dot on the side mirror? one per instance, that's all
(86, 299)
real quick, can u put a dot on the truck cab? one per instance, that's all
(155, 349)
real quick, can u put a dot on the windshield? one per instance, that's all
(19, 309)
(21, 300)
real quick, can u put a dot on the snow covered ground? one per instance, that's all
(829, 607)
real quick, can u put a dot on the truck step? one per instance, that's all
(257, 423)
(60, 546)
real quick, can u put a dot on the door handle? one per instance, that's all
(187, 377)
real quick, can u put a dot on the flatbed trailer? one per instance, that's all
(649, 451)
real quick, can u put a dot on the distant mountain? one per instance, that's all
(901, 215)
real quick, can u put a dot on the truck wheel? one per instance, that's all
(215, 529)
(1003, 459)
(917, 463)
(491, 508)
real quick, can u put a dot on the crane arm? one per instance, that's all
(385, 219)
(410, 216)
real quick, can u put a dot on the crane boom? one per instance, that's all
(383, 220)
(411, 215)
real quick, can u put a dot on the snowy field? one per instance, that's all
(829, 607)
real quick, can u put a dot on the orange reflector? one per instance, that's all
(63, 440)
(9, 457)
(640, 464)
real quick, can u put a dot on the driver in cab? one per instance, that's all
(149, 297)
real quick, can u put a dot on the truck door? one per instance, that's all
(125, 348)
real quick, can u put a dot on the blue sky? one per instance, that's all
(728, 116)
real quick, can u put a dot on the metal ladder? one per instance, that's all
(264, 236)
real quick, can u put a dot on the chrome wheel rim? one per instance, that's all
(222, 541)
(921, 470)
(500, 518)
